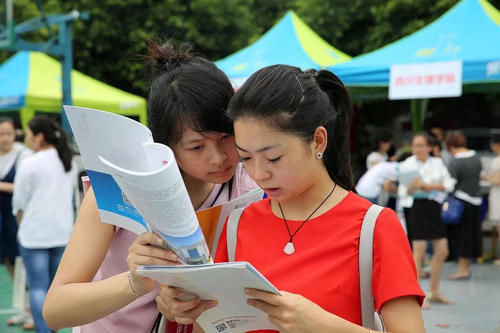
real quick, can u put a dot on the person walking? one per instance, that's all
(43, 205)
(425, 223)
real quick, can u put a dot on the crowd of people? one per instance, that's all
(285, 130)
(439, 165)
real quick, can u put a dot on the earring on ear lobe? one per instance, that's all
(319, 155)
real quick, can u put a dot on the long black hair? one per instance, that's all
(298, 102)
(53, 135)
(186, 91)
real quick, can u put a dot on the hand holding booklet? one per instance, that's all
(138, 185)
(225, 283)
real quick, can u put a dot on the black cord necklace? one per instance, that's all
(289, 248)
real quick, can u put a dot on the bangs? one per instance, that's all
(198, 119)
(206, 122)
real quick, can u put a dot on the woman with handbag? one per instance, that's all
(465, 237)
(422, 195)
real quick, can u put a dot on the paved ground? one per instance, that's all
(476, 308)
(477, 302)
(5, 304)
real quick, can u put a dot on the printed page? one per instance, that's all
(160, 196)
(121, 140)
(231, 314)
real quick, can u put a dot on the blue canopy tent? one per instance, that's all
(468, 32)
(290, 41)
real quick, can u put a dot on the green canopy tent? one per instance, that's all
(31, 82)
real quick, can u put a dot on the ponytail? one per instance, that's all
(63, 150)
(337, 156)
(53, 135)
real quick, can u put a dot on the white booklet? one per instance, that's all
(223, 282)
(407, 177)
(136, 182)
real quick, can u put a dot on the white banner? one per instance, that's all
(426, 80)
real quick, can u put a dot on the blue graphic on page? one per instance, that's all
(110, 197)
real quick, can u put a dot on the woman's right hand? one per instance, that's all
(147, 250)
(179, 306)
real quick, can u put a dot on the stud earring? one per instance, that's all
(319, 155)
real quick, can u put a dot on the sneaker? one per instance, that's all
(18, 319)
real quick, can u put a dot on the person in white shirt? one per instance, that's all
(11, 154)
(383, 144)
(43, 205)
(493, 176)
(371, 183)
(422, 193)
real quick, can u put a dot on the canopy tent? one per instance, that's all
(468, 32)
(290, 41)
(31, 81)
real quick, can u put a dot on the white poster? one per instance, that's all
(426, 80)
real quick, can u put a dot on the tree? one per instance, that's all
(108, 45)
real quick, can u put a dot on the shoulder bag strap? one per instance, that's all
(232, 232)
(366, 265)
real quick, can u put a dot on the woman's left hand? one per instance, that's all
(291, 313)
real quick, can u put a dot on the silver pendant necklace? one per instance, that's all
(289, 248)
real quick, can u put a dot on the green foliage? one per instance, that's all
(357, 26)
(108, 45)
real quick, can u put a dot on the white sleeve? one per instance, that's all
(403, 166)
(22, 188)
(402, 190)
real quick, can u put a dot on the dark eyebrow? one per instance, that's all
(261, 149)
(192, 141)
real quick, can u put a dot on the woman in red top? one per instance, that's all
(291, 130)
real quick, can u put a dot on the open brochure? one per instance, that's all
(232, 314)
(137, 183)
